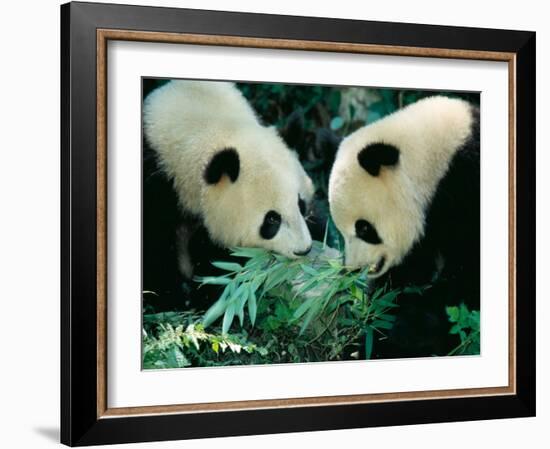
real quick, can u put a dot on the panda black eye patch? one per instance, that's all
(271, 225)
(367, 232)
(302, 205)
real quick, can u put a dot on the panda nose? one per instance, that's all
(303, 253)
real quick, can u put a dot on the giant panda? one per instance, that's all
(215, 178)
(404, 193)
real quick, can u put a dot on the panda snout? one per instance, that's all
(303, 253)
(376, 268)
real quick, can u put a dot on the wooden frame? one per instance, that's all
(86, 29)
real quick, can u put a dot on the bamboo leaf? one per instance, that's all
(242, 302)
(382, 324)
(252, 306)
(213, 280)
(377, 293)
(356, 292)
(257, 282)
(312, 312)
(389, 297)
(228, 318)
(305, 287)
(249, 252)
(275, 278)
(369, 339)
(214, 312)
(237, 293)
(386, 304)
(304, 307)
(228, 266)
(309, 270)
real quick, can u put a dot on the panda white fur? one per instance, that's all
(404, 193)
(232, 176)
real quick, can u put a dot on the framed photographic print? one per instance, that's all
(281, 224)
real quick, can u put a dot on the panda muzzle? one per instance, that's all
(376, 268)
(303, 253)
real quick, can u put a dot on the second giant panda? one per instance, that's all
(217, 178)
(404, 192)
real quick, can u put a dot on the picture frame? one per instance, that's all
(86, 30)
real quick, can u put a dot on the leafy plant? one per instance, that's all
(466, 324)
(318, 295)
(176, 340)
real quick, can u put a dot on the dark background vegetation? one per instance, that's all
(312, 119)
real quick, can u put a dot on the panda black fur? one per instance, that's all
(404, 192)
(214, 178)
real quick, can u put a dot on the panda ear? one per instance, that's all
(224, 162)
(375, 155)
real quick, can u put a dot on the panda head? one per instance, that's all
(385, 175)
(255, 194)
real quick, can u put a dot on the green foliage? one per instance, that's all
(322, 106)
(275, 102)
(178, 340)
(466, 324)
(305, 301)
